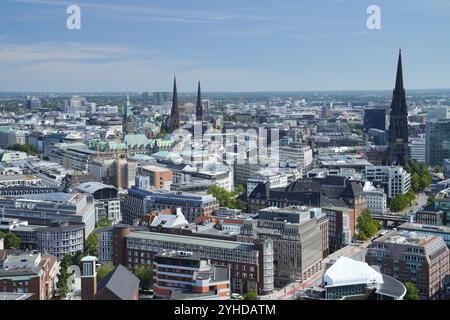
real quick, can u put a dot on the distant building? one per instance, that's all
(9, 137)
(298, 152)
(139, 202)
(418, 150)
(45, 208)
(184, 276)
(438, 113)
(160, 177)
(437, 137)
(106, 199)
(410, 257)
(375, 118)
(28, 273)
(160, 98)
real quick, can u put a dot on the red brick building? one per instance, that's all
(28, 272)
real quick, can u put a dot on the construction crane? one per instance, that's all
(119, 165)
(97, 146)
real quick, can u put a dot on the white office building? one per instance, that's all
(394, 179)
(298, 152)
(376, 198)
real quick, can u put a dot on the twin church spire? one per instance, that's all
(174, 120)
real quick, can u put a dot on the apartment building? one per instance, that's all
(410, 257)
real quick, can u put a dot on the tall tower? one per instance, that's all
(398, 127)
(88, 278)
(126, 116)
(199, 106)
(174, 121)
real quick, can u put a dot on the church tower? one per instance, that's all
(174, 120)
(398, 127)
(199, 106)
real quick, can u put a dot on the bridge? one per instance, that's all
(397, 219)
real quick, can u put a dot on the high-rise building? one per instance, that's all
(160, 98)
(174, 119)
(398, 127)
(437, 142)
(375, 118)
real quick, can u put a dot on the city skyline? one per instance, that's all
(237, 47)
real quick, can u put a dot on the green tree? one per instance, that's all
(12, 241)
(251, 295)
(63, 275)
(431, 199)
(161, 134)
(2, 235)
(412, 293)
(240, 188)
(420, 175)
(92, 244)
(76, 259)
(437, 169)
(103, 271)
(226, 198)
(27, 148)
(398, 203)
(103, 222)
(367, 225)
(145, 274)
(410, 196)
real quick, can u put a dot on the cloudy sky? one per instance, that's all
(230, 45)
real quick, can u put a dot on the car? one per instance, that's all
(236, 296)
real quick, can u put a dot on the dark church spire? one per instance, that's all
(199, 106)
(399, 79)
(398, 124)
(174, 123)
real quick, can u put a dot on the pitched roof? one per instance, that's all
(122, 282)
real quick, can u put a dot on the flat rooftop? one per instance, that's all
(202, 242)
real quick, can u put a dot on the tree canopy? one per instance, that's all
(251, 295)
(420, 175)
(412, 293)
(91, 245)
(400, 202)
(103, 270)
(27, 148)
(11, 241)
(226, 198)
(367, 226)
(145, 274)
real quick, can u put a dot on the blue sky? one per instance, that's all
(230, 45)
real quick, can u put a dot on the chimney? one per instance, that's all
(88, 278)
